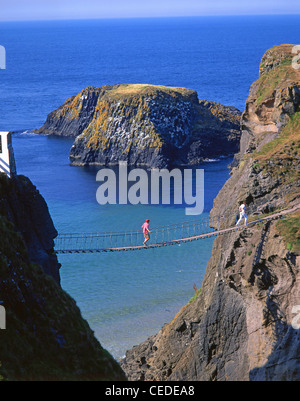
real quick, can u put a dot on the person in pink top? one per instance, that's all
(146, 231)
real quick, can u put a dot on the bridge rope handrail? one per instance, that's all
(132, 236)
(187, 223)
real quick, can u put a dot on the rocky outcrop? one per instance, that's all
(45, 337)
(145, 125)
(22, 204)
(243, 324)
(273, 98)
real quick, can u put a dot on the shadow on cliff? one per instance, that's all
(23, 205)
(284, 362)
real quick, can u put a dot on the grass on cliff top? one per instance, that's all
(289, 229)
(72, 107)
(275, 67)
(281, 157)
(146, 89)
(281, 54)
(286, 145)
(269, 82)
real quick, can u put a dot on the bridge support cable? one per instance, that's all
(172, 234)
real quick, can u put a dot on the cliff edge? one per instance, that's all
(45, 336)
(243, 325)
(145, 125)
(22, 204)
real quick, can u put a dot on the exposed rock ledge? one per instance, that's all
(154, 126)
(242, 325)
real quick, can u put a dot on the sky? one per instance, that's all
(16, 10)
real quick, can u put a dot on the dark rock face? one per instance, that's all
(74, 116)
(239, 328)
(144, 125)
(191, 348)
(46, 338)
(23, 205)
(241, 325)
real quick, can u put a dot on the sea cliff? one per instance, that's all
(45, 336)
(145, 125)
(22, 204)
(242, 324)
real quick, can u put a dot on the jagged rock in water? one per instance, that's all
(145, 125)
(242, 325)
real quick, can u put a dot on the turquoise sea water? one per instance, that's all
(124, 296)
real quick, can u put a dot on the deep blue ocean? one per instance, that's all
(125, 297)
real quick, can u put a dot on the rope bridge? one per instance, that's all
(172, 234)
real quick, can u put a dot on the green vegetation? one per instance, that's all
(285, 62)
(270, 81)
(128, 102)
(197, 293)
(275, 68)
(72, 107)
(281, 157)
(286, 144)
(262, 215)
(289, 229)
(46, 337)
(1, 377)
(125, 90)
(134, 109)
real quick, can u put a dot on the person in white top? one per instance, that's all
(243, 214)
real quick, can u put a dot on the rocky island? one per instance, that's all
(145, 125)
(242, 326)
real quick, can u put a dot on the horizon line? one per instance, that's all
(153, 17)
